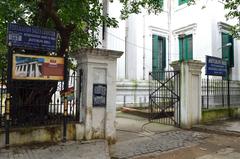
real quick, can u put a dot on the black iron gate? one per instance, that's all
(164, 97)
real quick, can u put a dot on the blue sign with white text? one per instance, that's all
(216, 66)
(30, 37)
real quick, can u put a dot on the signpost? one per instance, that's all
(69, 94)
(31, 37)
(216, 67)
(32, 67)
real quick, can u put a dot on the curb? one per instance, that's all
(202, 128)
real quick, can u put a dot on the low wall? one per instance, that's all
(218, 93)
(220, 113)
(132, 93)
(51, 133)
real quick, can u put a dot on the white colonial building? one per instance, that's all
(152, 42)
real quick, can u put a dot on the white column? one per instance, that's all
(190, 88)
(99, 67)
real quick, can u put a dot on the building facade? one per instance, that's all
(152, 42)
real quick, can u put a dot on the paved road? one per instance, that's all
(155, 142)
(226, 153)
(70, 150)
(137, 139)
(213, 147)
(140, 140)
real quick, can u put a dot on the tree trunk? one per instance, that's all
(31, 100)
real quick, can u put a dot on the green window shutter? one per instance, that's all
(185, 48)
(180, 2)
(180, 49)
(227, 51)
(189, 48)
(231, 52)
(155, 49)
(164, 54)
(158, 56)
(154, 56)
(161, 3)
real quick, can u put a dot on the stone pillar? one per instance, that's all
(190, 92)
(99, 73)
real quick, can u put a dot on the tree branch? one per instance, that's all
(47, 7)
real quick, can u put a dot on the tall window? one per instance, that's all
(158, 54)
(180, 2)
(185, 48)
(161, 3)
(227, 49)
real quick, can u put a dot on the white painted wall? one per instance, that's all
(134, 37)
(115, 37)
(207, 36)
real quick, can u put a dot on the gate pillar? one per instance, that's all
(98, 92)
(190, 92)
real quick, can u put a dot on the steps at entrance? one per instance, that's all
(146, 114)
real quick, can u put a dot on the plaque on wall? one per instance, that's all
(99, 95)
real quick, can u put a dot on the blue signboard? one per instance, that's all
(216, 66)
(32, 38)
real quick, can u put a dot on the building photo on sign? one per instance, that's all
(31, 67)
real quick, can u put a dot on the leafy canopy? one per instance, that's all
(233, 12)
(77, 21)
(233, 7)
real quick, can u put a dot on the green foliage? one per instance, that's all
(233, 12)
(133, 6)
(86, 15)
(233, 8)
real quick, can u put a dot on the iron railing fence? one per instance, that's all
(164, 97)
(3, 90)
(215, 93)
(46, 109)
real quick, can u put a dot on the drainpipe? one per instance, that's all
(126, 50)
(144, 53)
(169, 31)
(104, 29)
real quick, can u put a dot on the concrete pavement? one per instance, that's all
(150, 143)
(226, 153)
(227, 127)
(137, 138)
(71, 150)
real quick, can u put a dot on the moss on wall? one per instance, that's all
(28, 135)
(220, 113)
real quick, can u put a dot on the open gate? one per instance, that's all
(164, 97)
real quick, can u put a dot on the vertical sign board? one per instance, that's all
(69, 94)
(216, 66)
(99, 95)
(31, 37)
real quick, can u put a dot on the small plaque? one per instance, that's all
(99, 95)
